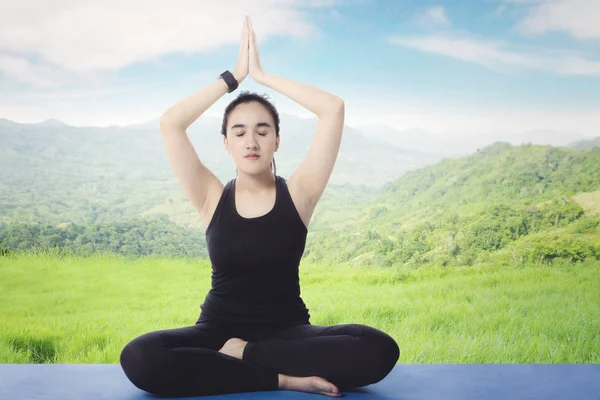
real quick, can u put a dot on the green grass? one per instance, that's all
(84, 310)
(589, 201)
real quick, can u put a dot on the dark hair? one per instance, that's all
(247, 97)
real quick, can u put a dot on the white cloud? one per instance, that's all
(579, 18)
(106, 104)
(51, 43)
(364, 106)
(74, 44)
(497, 55)
(471, 121)
(46, 76)
(434, 16)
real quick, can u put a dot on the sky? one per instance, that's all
(449, 67)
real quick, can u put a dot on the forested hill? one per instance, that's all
(502, 203)
(514, 202)
(587, 144)
(55, 173)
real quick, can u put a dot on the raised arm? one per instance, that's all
(194, 177)
(315, 170)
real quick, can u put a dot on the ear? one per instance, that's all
(226, 144)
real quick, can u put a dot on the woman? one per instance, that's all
(253, 333)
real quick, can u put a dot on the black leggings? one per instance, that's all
(186, 362)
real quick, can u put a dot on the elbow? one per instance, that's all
(339, 107)
(164, 119)
(167, 121)
(335, 107)
(339, 102)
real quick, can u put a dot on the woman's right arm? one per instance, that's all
(185, 112)
(197, 181)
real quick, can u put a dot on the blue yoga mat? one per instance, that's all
(405, 382)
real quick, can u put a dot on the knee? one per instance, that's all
(136, 365)
(383, 350)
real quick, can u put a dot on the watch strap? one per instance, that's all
(230, 80)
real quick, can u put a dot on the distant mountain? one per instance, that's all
(585, 144)
(458, 145)
(543, 137)
(51, 123)
(362, 160)
(421, 140)
(59, 173)
(150, 125)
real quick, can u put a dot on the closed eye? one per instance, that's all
(260, 133)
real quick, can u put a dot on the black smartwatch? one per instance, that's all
(229, 80)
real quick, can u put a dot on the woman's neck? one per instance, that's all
(255, 183)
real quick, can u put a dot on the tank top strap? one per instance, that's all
(223, 204)
(227, 197)
(289, 208)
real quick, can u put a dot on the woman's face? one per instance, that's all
(251, 129)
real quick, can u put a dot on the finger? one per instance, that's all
(248, 27)
(243, 41)
(244, 34)
(247, 33)
(252, 34)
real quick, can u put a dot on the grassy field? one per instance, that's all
(84, 310)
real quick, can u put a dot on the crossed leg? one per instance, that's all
(186, 362)
(348, 355)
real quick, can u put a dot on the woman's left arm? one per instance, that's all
(314, 172)
(319, 102)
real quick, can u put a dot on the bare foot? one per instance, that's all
(310, 384)
(234, 347)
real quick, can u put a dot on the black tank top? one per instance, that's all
(255, 262)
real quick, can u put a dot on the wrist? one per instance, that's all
(260, 78)
(237, 77)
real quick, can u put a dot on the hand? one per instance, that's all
(254, 68)
(241, 68)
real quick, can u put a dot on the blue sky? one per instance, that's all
(469, 67)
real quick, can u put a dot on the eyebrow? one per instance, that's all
(257, 125)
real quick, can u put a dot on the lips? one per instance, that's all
(253, 156)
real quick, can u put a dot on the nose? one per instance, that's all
(251, 143)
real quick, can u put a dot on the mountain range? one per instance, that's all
(54, 172)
